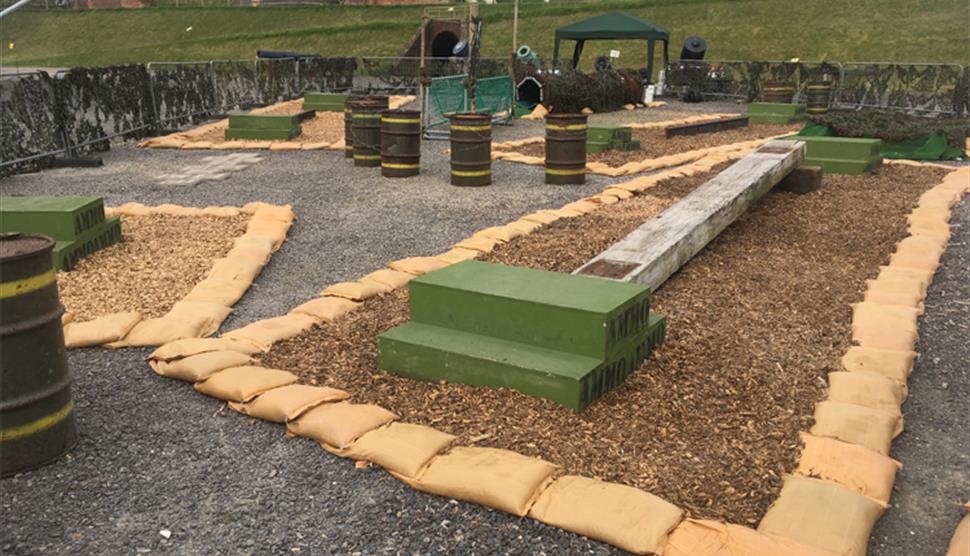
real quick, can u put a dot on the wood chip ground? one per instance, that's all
(324, 126)
(654, 144)
(160, 260)
(711, 421)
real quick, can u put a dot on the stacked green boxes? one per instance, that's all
(610, 138)
(842, 155)
(325, 102)
(77, 224)
(775, 113)
(566, 338)
(263, 126)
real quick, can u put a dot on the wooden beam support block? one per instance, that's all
(658, 248)
(803, 179)
(706, 127)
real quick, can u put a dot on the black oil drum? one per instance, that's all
(471, 149)
(400, 143)
(566, 149)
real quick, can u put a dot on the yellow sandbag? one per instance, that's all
(192, 346)
(199, 367)
(822, 514)
(457, 255)
(524, 227)
(221, 211)
(355, 291)
(491, 477)
(272, 228)
(417, 265)
(133, 209)
(254, 241)
(924, 277)
(919, 214)
(960, 541)
(326, 309)
(279, 213)
(604, 199)
(235, 268)
(895, 292)
(871, 428)
(286, 403)
(264, 333)
(339, 424)
(102, 330)
(176, 210)
(896, 315)
(390, 278)
(479, 243)
(896, 365)
(502, 234)
(214, 290)
(922, 261)
(869, 390)
(68, 317)
(694, 537)
(885, 335)
(623, 516)
(402, 448)
(187, 319)
(166, 143)
(197, 145)
(854, 467)
(541, 217)
(582, 207)
(566, 213)
(919, 245)
(241, 384)
(316, 146)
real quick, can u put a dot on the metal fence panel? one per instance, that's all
(327, 74)
(916, 87)
(29, 127)
(181, 91)
(278, 79)
(234, 84)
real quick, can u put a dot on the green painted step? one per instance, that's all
(848, 148)
(609, 133)
(597, 147)
(844, 166)
(775, 113)
(432, 353)
(63, 218)
(627, 146)
(577, 314)
(324, 102)
(68, 253)
(265, 134)
(263, 121)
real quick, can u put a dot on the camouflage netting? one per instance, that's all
(893, 126)
(569, 91)
(28, 116)
(182, 92)
(327, 74)
(234, 84)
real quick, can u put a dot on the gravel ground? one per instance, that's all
(935, 448)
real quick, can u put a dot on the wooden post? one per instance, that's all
(515, 28)
(421, 76)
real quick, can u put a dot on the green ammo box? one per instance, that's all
(68, 253)
(263, 126)
(62, 218)
(325, 102)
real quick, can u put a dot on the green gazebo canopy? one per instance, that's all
(614, 25)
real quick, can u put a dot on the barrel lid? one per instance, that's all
(397, 112)
(561, 116)
(14, 246)
(469, 116)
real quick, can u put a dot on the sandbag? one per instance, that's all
(457, 255)
(502, 234)
(885, 335)
(221, 211)
(822, 514)
(191, 346)
(924, 277)
(355, 291)
(217, 290)
(618, 192)
(477, 243)
(102, 330)
(264, 333)
(623, 516)
(196, 368)
(960, 541)
(417, 265)
(524, 227)
(491, 477)
(326, 309)
(871, 428)
(254, 241)
(922, 261)
(583, 207)
(894, 315)
(896, 365)
(894, 292)
(695, 537)
(133, 209)
(403, 448)
(854, 467)
(270, 228)
(604, 199)
(338, 425)
(929, 215)
(187, 319)
(541, 217)
(278, 213)
(241, 384)
(917, 244)
(390, 278)
(235, 268)
(869, 390)
(286, 403)
(177, 210)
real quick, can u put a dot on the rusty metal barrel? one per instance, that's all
(817, 97)
(471, 149)
(566, 149)
(367, 134)
(400, 143)
(36, 411)
(778, 91)
(352, 101)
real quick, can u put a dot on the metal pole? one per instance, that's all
(16, 5)
(515, 28)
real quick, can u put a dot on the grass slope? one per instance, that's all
(860, 30)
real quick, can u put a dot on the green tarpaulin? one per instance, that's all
(612, 26)
(930, 147)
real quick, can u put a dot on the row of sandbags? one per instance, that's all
(845, 476)
(200, 313)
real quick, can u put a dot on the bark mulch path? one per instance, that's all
(711, 421)
(654, 144)
(160, 260)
